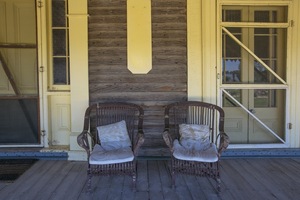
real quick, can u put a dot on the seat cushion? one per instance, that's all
(194, 136)
(114, 136)
(100, 156)
(182, 153)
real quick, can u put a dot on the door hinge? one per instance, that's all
(40, 4)
(41, 68)
(290, 126)
(292, 23)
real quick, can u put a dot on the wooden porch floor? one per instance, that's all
(248, 178)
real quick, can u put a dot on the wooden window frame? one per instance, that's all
(51, 85)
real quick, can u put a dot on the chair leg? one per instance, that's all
(171, 167)
(134, 181)
(218, 179)
(218, 185)
(89, 181)
(173, 179)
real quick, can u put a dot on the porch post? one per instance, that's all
(201, 30)
(78, 44)
(194, 51)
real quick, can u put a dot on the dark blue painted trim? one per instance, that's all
(35, 155)
(246, 153)
(229, 153)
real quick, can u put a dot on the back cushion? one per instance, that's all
(194, 136)
(114, 136)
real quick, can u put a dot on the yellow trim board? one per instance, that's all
(139, 41)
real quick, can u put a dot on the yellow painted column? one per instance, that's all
(78, 44)
(194, 50)
(209, 53)
(294, 52)
(201, 43)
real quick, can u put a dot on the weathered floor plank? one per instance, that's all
(165, 178)
(251, 178)
(76, 173)
(270, 178)
(155, 185)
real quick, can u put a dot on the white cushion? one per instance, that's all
(114, 136)
(182, 153)
(100, 156)
(194, 136)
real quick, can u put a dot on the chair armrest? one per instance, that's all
(168, 139)
(82, 140)
(138, 142)
(224, 142)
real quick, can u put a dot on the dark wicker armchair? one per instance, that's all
(200, 161)
(107, 160)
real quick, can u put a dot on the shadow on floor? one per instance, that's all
(11, 169)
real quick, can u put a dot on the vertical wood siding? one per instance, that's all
(109, 78)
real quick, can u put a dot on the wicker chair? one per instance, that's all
(111, 161)
(200, 162)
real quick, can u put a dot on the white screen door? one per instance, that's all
(19, 102)
(254, 43)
